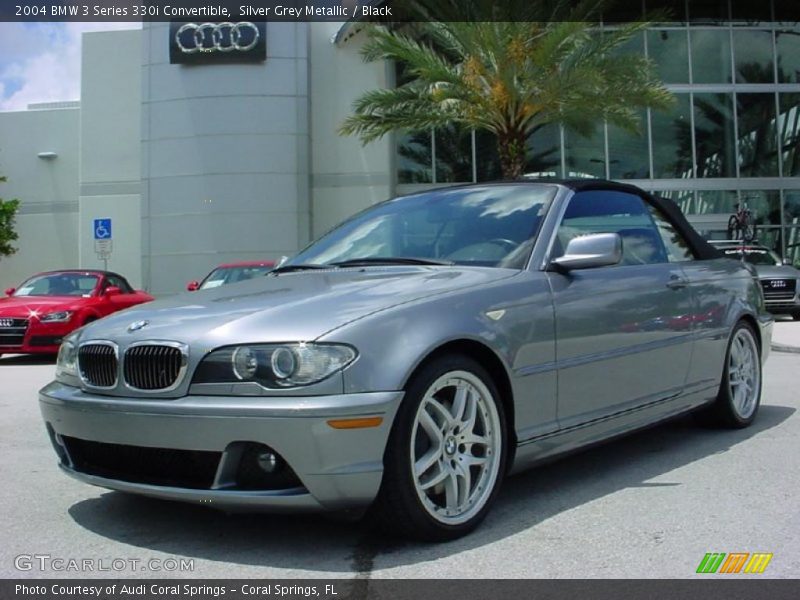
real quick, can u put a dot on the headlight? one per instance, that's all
(67, 361)
(274, 365)
(56, 317)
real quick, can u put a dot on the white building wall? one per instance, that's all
(195, 165)
(347, 176)
(110, 149)
(47, 221)
(225, 157)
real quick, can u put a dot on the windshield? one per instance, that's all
(59, 284)
(225, 275)
(757, 256)
(491, 226)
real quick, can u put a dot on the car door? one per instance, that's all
(125, 299)
(623, 332)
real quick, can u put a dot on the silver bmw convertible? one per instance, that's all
(407, 361)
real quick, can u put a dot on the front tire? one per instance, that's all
(739, 394)
(446, 454)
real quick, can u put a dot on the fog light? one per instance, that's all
(262, 468)
(267, 461)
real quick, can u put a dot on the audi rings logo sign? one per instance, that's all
(5, 323)
(194, 43)
(217, 37)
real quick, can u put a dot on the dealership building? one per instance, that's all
(199, 161)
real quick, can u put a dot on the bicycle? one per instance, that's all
(741, 224)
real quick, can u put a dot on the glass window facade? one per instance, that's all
(714, 137)
(754, 60)
(669, 50)
(758, 135)
(787, 46)
(732, 136)
(672, 140)
(711, 55)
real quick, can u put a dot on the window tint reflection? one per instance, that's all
(714, 135)
(481, 226)
(669, 49)
(753, 56)
(789, 133)
(711, 55)
(787, 42)
(758, 136)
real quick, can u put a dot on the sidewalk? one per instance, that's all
(786, 335)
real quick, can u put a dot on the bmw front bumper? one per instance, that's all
(335, 469)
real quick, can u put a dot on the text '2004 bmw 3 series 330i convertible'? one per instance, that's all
(407, 361)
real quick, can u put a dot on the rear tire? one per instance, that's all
(739, 394)
(446, 454)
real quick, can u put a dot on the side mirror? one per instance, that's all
(10, 291)
(193, 286)
(112, 290)
(590, 251)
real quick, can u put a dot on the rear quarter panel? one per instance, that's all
(723, 291)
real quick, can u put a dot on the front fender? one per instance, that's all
(513, 318)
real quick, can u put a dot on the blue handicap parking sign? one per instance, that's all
(102, 229)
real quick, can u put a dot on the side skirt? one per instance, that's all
(545, 448)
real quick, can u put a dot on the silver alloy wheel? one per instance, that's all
(744, 374)
(456, 447)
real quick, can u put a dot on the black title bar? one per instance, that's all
(711, 588)
(786, 11)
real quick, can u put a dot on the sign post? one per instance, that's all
(103, 245)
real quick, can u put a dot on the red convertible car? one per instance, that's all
(37, 315)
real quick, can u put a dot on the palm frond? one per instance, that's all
(546, 63)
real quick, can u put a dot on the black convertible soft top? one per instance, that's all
(701, 248)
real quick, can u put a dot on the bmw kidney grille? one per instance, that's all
(152, 367)
(149, 367)
(98, 364)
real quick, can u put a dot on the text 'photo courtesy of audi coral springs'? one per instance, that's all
(407, 361)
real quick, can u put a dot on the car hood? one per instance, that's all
(777, 271)
(294, 306)
(21, 307)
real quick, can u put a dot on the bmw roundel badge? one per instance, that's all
(137, 325)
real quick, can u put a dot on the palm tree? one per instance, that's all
(547, 62)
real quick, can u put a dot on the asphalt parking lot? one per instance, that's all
(648, 506)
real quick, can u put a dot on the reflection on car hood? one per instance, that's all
(777, 271)
(297, 306)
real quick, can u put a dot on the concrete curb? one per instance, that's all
(784, 348)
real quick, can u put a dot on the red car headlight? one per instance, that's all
(61, 316)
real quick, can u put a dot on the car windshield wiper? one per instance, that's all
(361, 262)
(391, 260)
(298, 267)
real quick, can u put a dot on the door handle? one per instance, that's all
(677, 283)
